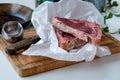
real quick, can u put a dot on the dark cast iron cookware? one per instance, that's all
(15, 12)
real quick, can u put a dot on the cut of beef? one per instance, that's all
(67, 41)
(82, 29)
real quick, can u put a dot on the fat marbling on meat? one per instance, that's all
(83, 31)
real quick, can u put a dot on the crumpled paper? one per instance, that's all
(48, 45)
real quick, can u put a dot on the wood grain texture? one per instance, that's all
(29, 65)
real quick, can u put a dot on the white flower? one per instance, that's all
(115, 9)
(113, 24)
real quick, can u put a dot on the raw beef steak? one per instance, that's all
(67, 41)
(82, 29)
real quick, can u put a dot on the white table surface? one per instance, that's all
(106, 68)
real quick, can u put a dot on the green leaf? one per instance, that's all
(39, 1)
(114, 4)
(105, 19)
(109, 1)
(119, 31)
(106, 29)
(110, 15)
(118, 15)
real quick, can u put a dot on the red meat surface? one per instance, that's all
(82, 29)
(67, 41)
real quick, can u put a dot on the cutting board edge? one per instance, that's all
(111, 37)
(40, 68)
(22, 71)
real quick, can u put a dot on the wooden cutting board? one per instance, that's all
(29, 65)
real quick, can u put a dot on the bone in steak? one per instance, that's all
(67, 41)
(82, 29)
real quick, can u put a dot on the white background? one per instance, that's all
(106, 68)
(29, 3)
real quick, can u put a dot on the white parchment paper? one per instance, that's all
(48, 45)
